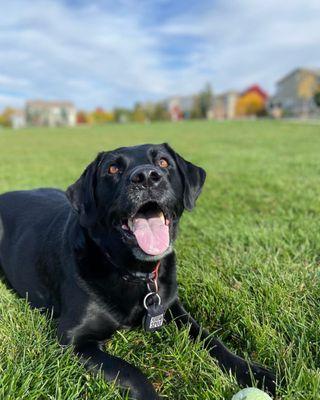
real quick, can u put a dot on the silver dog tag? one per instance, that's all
(154, 318)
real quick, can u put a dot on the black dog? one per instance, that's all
(100, 256)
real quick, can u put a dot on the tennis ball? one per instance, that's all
(251, 394)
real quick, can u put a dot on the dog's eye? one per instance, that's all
(163, 163)
(113, 169)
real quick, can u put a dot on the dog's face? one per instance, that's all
(131, 199)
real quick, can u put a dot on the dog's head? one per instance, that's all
(131, 199)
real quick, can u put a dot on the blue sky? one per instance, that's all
(107, 53)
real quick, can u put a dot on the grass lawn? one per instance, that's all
(248, 261)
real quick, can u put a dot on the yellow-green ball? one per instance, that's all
(251, 394)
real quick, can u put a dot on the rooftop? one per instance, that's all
(315, 71)
(48, 104)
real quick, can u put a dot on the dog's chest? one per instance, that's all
(120, 304)
(128, 311)
(104, 318)
(126, 308)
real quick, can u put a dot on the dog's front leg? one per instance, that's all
(226, 360)
(115, 369)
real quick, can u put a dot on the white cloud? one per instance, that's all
(101, 54)
(246, 41)
(54, 46)
(6, 100)
(15, 82)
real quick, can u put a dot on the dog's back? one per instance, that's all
(26, 217)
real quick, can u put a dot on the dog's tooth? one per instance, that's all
(130, 224)
(161, 215)
(125, 227)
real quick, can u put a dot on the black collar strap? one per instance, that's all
(138, 277)
(151, 279)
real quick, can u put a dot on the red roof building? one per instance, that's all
(258, 90)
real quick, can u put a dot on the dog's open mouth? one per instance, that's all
(150, 228)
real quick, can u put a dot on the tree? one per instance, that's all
(101, 116)
(82, 117)
(5, 117)
(196, 108)
(250, 103)
(159, 112)
(122, 115)
(317, 98)
(139, 114)
(306, 86)
(206, 97)
(202, 102)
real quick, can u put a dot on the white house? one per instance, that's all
(50, 113)
(295, 94)
(18, 119)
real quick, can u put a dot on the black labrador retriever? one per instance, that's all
(100, 257)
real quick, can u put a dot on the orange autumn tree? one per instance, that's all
(5, 117)
(251, 102)
(100, 116)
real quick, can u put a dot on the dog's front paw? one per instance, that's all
(256, 374)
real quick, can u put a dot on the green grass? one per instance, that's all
(248, 261)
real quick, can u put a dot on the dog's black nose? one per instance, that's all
(146, 176)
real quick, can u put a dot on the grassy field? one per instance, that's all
(248, 261)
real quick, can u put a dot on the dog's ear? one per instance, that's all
(193, 178)
(81, 194)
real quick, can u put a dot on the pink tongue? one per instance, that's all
(152, 234)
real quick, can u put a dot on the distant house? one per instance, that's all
(295, 94)
(179, 107)
(252, 102)
(256, 89)
(18, 119)
(224, 106)
(50, 113)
